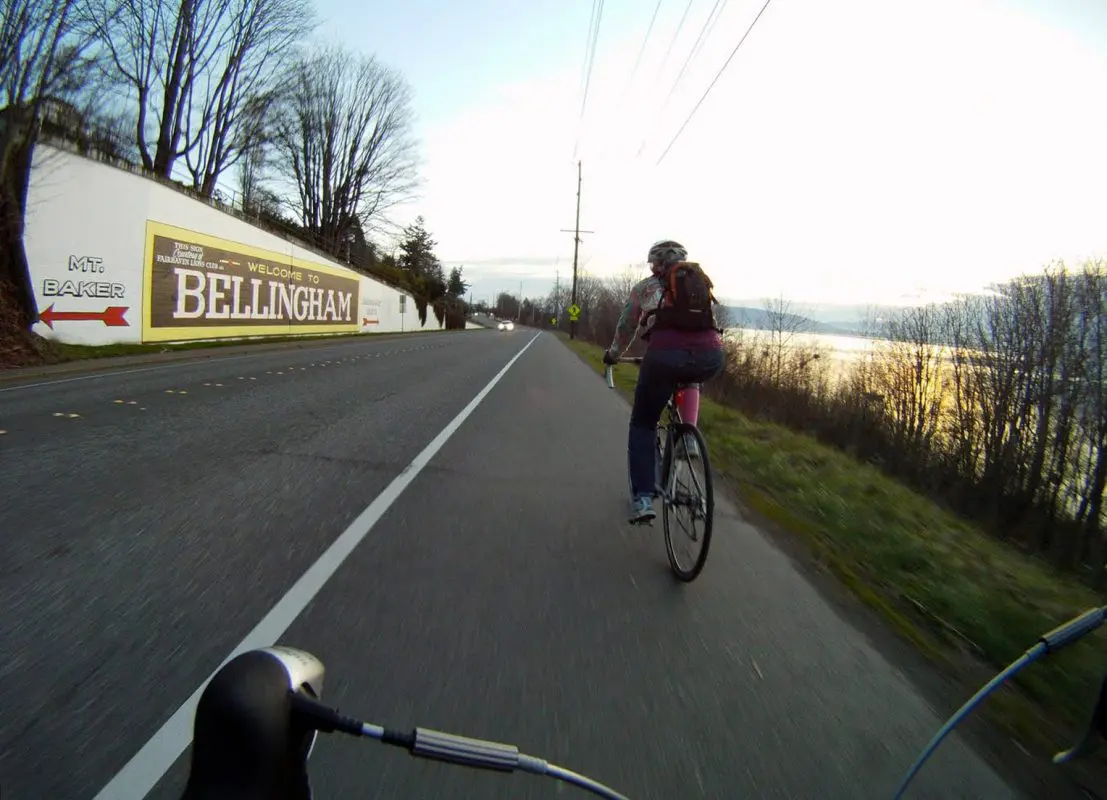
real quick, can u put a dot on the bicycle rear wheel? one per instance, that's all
(685, 491)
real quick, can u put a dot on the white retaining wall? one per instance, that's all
(116, 257)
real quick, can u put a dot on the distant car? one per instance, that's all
(506, 325)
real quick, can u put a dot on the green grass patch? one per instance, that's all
(79, 352)
(940, 582)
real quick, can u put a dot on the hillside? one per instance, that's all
(760, 319)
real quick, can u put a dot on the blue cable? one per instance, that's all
(1027, 658)
(1063, 635)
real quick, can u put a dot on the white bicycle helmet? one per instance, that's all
(665, 252)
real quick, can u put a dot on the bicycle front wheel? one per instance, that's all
(688, 505)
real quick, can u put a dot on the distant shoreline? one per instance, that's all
(839, 333)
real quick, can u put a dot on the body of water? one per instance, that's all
(840, 350)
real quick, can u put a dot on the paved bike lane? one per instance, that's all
(503, 596)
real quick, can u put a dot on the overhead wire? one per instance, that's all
(589, 59)
(705, 32)
(584, 69)
(642, 49)
(713, 82)
(588, 43)
(592, 56)
(668, 52)
(633, 74)
(672, 41)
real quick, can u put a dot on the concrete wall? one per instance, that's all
(117, 257)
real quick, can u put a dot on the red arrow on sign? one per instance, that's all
(112, 316)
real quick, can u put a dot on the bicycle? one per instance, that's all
(258, 718)
(674, 430)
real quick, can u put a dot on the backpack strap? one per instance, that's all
(670, 287)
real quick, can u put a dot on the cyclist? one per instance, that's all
(671, 310)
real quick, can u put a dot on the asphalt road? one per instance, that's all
(500, 595)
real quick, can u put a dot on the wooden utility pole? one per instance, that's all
(576, 251)
(557, 299)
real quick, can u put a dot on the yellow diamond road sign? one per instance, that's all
(574, 311)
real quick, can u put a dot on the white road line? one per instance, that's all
(139, 775)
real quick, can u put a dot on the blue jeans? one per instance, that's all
(661, 371)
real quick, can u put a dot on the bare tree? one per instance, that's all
(1092, 458)
(41, 61)
(964, 424)
(42, 49)
(1063, 470)
(1000, 365)
(130, 40)
(908, 374)
(723, 316)
(238, 97)
(784, 327)
(344, 139)
(160, 51)
(253, 155)
(1051, 392)
(623, 281)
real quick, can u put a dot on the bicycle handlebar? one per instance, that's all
(258, 718)
(609, 373)
(248, 742)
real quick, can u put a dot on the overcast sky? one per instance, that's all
(853, 151)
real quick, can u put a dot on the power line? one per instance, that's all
(584, 71)
(634, 71)
(705, 31)
(642, 49)
(672, 42)
(714, 81)
(668, 52)
(590, 57)
(588, 44)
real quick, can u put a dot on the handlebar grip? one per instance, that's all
(462, 750)
(1075, 629)
(609, 375)
(247, 743)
